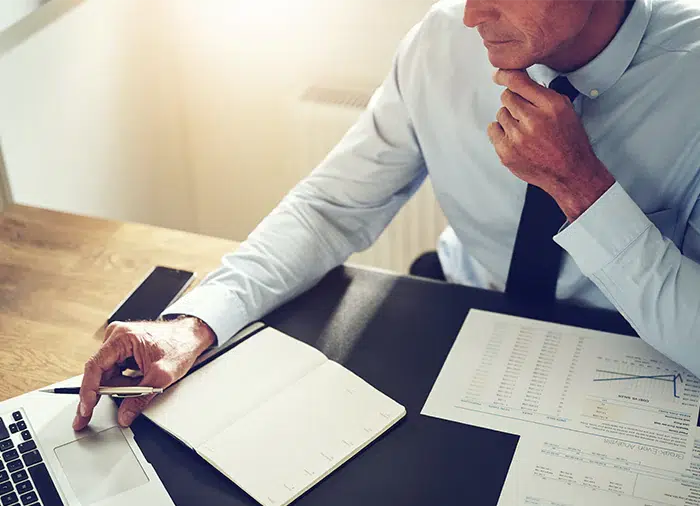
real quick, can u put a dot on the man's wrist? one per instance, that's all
(203, 333)
(576, 196)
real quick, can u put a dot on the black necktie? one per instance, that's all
(534, 267)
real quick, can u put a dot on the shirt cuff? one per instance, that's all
(216, 306)
(604, 230)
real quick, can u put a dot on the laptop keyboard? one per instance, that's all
(24, 478)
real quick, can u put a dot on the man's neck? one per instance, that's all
(607, 16)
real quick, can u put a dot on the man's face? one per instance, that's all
(520, 33)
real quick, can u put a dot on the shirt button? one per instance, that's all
(595, 93)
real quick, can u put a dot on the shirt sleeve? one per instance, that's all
(339, 209)
(653, 284)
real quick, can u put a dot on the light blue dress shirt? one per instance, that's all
(636, 249)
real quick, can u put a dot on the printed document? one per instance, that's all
(603, 419)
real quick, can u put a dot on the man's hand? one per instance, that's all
(539, 137)
(163, 352)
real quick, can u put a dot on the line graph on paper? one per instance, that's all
(646, 380)
(675, 379)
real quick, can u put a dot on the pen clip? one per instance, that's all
(126, 396)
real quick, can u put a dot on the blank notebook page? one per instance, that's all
(286, 445)
(216, 395)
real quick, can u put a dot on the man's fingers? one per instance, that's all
(80, 422)
(131, 408)
(507, 121)
(102, 362)
(519, 82)
(109, 374)
(519, 108)
(496, 133)
(111, 329)
(121, 381)
(501, 142)
(108, 377)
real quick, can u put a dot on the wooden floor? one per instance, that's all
(62, 275)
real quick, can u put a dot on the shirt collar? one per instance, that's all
(601, 73)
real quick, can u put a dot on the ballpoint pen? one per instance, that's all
(119, 392)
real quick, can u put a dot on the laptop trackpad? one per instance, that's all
(100, 465)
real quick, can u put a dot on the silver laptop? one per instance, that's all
(44, 462)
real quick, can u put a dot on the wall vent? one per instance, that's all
(355, 99)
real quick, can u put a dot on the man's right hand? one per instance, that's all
(163, 352)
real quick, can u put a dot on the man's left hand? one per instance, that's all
(539, 137)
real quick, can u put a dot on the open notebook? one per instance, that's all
(274, 415)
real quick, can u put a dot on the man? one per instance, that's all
(616, 147)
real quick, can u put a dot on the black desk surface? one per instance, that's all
(395, 332)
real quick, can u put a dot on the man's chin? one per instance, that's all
(507, 62)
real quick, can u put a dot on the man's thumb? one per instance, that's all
(132, 407)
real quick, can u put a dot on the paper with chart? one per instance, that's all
(604, 419)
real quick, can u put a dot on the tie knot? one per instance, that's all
(562, 85)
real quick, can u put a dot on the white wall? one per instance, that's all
(243, 64)
(12, 11)
(5, 196)
(181, 113)
(88, 119)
